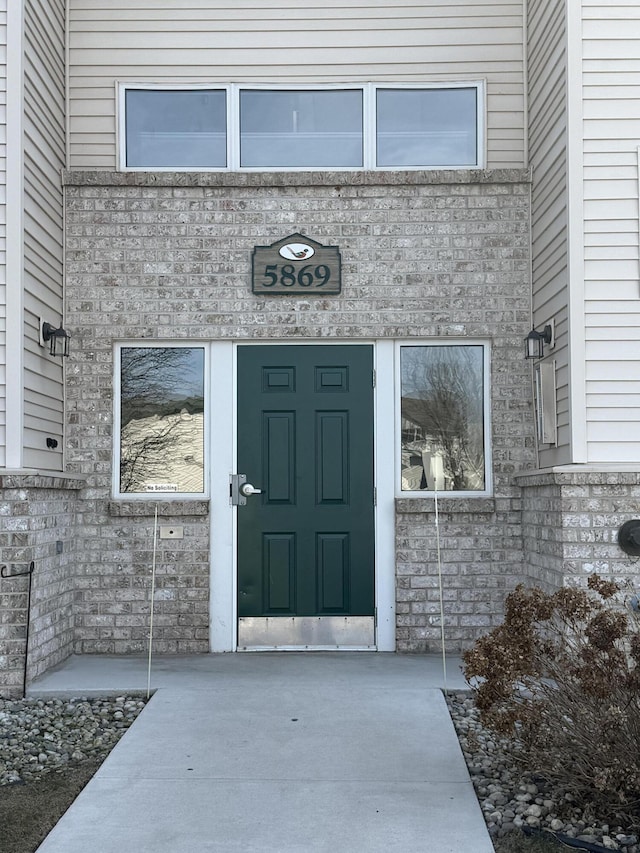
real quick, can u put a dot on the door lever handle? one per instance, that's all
(247, 489)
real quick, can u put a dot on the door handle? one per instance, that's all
(247, 489)
(240, 490)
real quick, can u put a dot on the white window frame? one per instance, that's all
(369, 149)
(117, 411)
(486, 371)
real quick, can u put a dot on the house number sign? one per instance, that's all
(296, 264)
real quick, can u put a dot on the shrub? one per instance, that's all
(562, 674)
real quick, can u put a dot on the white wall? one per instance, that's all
(286, 41)
(611, 86)
(3, 226)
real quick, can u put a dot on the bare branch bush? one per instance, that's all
(561, 674)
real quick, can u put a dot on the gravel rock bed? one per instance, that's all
(512, 799)
(38, 736)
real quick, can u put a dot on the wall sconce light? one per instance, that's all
(535, 341)
(57, 339)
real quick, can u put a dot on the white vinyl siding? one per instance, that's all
(3, 228)
(44, 157)
(389, 41)
(611, 87)
(547, 148)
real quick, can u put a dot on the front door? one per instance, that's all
(306, 541)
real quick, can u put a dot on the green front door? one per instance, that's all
(306, 542)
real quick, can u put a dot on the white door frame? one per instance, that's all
(222, 417)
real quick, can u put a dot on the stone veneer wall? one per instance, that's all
(167, 256)
(38, 517)
(570, 522)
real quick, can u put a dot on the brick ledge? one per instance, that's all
(471, 506)
(336, 179)
(577, 477)
(168, 508)
(40, 480)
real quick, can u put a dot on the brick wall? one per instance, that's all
(480, 561)
(38, 523)
(570, 525)
(113, 588)
(167, 257)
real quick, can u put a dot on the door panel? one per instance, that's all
(305, 437)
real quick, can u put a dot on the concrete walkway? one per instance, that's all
(275, 753)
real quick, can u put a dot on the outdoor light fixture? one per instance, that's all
(57, 339)
(629, 537)
(535, 341)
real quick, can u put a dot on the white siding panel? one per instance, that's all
(603, 313)
(3, 227)
(547, 151)
(617, 414)
(280, 41)
(615, 288)
(601, 272)
(612, 310)
(613, 352)
(612, 400)
(608, 451)
(613, 209)
(614, 371)
(44, 99)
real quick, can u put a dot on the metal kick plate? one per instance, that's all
(306, 632)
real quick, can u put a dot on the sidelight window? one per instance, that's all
(161, 434)
(444, 418)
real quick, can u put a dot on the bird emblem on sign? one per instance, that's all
(297, 251)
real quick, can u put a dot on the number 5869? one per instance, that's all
(286, 275)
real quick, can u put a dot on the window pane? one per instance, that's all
(427, 127)
(162, 419)
(442, 412)
(176, 129)
(312, 129)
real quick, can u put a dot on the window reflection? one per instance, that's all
(442, 418)
(162, 419)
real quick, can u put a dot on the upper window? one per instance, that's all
(257, 127)
(161, 435)
(443, 418)
(427, 127)
(301, 129)
(181, 129)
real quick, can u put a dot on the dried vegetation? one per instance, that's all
(562, 674)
